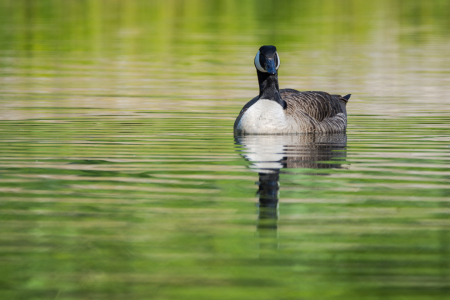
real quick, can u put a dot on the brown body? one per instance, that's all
(306, 112)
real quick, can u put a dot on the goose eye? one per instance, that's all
(258, 64)
(277, 60)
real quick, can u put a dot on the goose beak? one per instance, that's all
(270, 66)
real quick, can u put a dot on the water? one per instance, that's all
(121, 178)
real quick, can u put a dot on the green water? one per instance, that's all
(120, 177)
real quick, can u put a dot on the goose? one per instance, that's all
(288, 111)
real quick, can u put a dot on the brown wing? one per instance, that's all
(317, 105)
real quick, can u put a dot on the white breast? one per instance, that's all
(263, 117)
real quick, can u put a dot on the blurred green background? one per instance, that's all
(120, 177)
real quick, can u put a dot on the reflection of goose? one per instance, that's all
(277, 111)
(268, 154)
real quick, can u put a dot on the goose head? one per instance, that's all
(267, 60)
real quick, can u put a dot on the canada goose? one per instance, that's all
(285, 111)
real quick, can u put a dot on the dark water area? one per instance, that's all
(120, 177)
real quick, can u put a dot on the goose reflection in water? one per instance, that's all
(269, 154)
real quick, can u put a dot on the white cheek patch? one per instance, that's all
(258, 65)
(278, 60)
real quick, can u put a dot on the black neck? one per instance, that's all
(269, 89)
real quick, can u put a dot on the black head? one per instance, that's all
(267, 60)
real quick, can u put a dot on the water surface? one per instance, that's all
(121, 178)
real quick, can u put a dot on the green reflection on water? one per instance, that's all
(120, 177)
